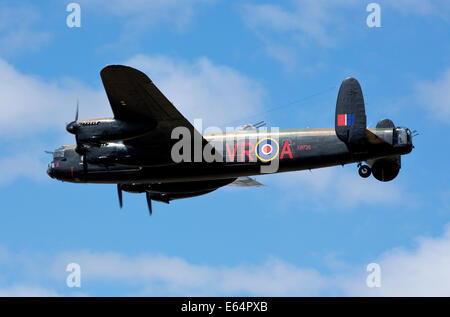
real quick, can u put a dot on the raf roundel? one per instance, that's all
(267, 149)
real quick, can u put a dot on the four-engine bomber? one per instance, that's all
(137, 149)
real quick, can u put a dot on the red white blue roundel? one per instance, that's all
(267, 149)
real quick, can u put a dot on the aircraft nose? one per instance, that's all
(50, 171)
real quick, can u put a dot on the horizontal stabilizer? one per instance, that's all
(350, 121)
(385, 124)
(245, 181)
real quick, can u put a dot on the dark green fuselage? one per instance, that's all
(298, 149)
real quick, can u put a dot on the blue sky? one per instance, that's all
(229, 63)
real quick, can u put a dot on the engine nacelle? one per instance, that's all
(386, 169)
(107, 154)
(98, 131)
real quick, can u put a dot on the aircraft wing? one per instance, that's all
(245, 181)
(135, 98)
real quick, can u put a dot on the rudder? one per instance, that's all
(350, 120)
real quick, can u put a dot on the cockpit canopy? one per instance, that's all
(58, 153)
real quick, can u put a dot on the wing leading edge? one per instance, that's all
(135, 98)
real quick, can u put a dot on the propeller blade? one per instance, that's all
(76, 114)
(119, 193)
(85, 165)
(79, 147)
(149, 202)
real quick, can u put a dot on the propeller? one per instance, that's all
(119, 193)
(149, 202)
(78, 108)
(72, 128)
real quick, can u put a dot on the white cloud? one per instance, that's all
(217, 94)
(179, 277)
(420, 271)
(284, 54)
(435, 96)
(31, 104)
(440, 8)
(320, 20)
(287, 30)
(24, 164)
(18, 29)
(284, 28)
(306, 19)
(27, 291)
(154, 275)
(139, 14)
(341, 188)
